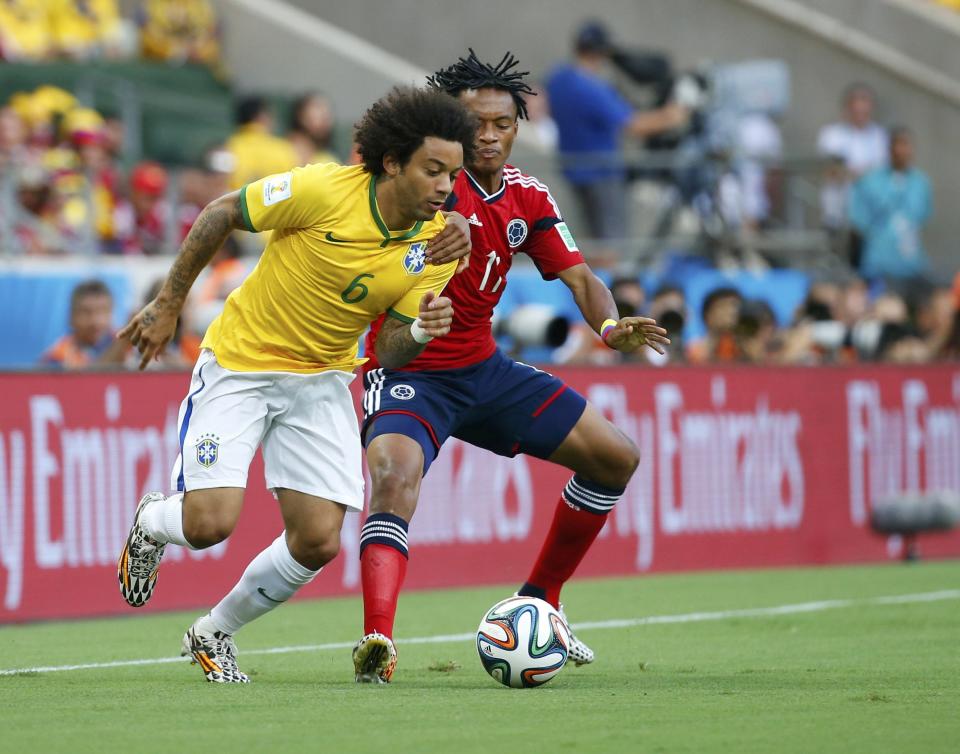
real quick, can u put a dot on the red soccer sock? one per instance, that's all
(382, 570)
(570, 536)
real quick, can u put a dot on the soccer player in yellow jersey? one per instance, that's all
(348, 244)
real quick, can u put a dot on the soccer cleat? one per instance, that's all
(215, 652)
(139, 559)
(374, 659)
(579, 652)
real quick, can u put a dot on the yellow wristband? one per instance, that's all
(606, 327)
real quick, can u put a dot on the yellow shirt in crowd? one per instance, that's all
(330, 268)
(257, 152)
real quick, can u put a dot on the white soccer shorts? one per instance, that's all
(306, 424)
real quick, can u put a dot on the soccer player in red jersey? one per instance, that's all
(461, 385)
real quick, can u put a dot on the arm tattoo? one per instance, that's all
(395, 346)
(207, 235)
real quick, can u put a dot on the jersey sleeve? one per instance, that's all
(550, 244)
(298, 199)
(434, 278)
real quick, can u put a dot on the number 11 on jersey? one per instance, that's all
(493, 260)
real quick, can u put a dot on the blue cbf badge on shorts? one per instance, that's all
(416, 258)
(208, 450)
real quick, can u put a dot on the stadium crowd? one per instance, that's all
(174, 31)
(67, 187)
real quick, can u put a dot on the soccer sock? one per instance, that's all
(383, 566)
(272, 578)
(162, 520)
(580, 515)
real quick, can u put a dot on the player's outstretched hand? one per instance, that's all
(436, 314)
(632, 333)
(150, 330)
(453, 242)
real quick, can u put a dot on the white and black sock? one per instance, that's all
(272, 578)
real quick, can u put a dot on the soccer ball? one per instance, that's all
(522, 642)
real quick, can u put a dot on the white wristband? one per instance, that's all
(418, 333)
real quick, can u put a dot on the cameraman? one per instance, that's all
(591, 118)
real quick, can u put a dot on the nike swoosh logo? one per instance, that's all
(263, 593)
(332, 239)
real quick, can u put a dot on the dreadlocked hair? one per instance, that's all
(471, 73)
(398, 123)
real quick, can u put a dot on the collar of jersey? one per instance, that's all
(488, 198)
(375, 211)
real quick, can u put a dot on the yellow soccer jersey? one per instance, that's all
(330, 268)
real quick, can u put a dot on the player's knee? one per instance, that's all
(395, 489)
(206, 529)
(314, 549)
(619, 463)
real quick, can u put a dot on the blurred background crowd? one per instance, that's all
(681, 186)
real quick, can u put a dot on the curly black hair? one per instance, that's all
(398, 123)
(472, 73)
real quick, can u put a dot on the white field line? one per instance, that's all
(652, 620)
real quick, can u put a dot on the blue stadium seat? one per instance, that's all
(529, 288)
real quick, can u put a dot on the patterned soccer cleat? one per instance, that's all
(374, 659)
(139, 559)
(215, 652)
(579, 652)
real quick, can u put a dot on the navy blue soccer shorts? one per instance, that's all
(499, 404)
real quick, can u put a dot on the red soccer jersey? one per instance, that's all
(521, 217)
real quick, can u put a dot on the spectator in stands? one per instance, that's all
(591, 118)
(901, 344)
(744, 193)
(179, 31)
(311, 129)
(888, 308)
(40, 111)
(889, 206)
(854, 302)
(34, 220)
(24, 31)
(828, 294)
(816, 336)
(13, 139)
(934, 318)
(669, 308)
(256, 151)
(201, 185)
(854, 145)
(90, 342)
(114, 137)
(198, 186)
(144, 222)
(756, 332)
(951, 348)
(92, 183)
(84, 29)
(721, 313)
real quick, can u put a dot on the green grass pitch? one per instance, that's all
(856, 674)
